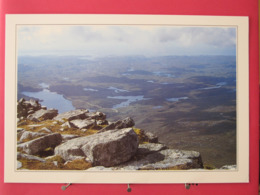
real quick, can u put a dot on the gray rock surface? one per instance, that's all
(164, 159)
(125, 123)
(43, 114)
(28, 135)
(83, 124)
(72, 115)
(96, 115)
(40, 144)
(229, 167)
(24, 108)
(107, 149)
(68, 124)
(19, 165)
(68, 137)
(29, 157)
(149, 148)
(150, 137)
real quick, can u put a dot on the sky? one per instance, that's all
(124, 40)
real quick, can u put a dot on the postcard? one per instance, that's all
(126, 99)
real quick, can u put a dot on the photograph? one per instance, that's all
(126, 97)
(147, 99)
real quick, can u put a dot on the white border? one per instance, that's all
(241, 175)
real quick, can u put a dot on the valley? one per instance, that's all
(189, 102)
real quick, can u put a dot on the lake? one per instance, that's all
(51, 100)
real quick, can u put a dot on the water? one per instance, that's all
(52, 100)
(218, 85)
(44, 85)
(89, 89)
(117, 90)
(176, 99)
(129, 100)
(163, 74)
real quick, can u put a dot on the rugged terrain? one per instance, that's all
(83, 140)
(189, 102)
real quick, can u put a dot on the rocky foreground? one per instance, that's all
(83, 140)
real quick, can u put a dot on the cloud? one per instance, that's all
(125, 40)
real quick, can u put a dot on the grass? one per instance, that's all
(55, 163)
(78, 164)
(55, 127)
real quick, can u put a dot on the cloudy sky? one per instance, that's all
(100, 40)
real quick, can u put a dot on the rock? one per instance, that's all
(107, 149)
(102, 122)
(66, 137)
(125, 123)
(44, 114)
(28, 135)
(100, 168)
(165, 159)
(68, 124)
(96, 115)
(29, 157)
(229, 167)
(45, 129)
(40, 144)
(149, 148)
(150, 137)
(72, 115)
(24, 108)
(19, 165)
(20, 132)
(83, 124)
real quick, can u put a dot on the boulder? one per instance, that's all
(149, 148)
(28, 135)
(96, 115)
(106, 149)
(40, 144)
(102, 122)
(150, 137)
(66, 137)
(125, 123)
(29, 157)
(68, 124)
(82, 124)
(43, 114)
(24, 108)
(163, 159)
(72, 115)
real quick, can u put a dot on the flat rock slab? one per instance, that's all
(106, 149)
(29, 157)
(125, 123)
(82, 124)
(149, 148)
(40, 144)
(66, 137)
(28, 135)
(72, 115)
(165, 159)
(43, 114)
